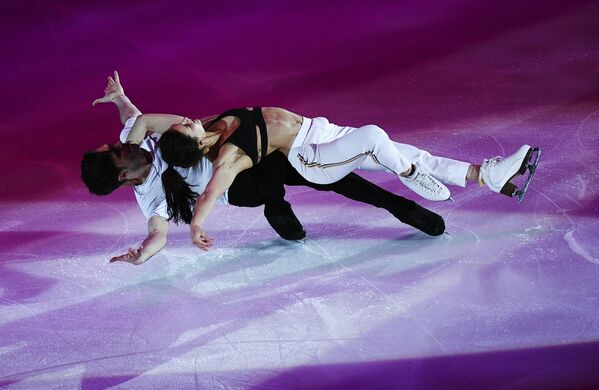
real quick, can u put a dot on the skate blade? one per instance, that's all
(509, 188)
(525, 162)
(532, 168)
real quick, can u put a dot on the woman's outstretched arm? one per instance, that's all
(158, 123)
(230, 161)
(152, 123)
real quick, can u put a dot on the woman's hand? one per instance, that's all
(112, 91)
(199, 237)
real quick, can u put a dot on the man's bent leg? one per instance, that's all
(263, 185)
(278, 212)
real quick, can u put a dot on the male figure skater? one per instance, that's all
(112, 166)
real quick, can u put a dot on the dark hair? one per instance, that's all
(179, 150)
(99, 173)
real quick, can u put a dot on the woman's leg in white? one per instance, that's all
(365, 146)
(444, 169)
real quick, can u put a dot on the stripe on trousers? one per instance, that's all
(336, 164)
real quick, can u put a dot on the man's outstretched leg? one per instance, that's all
(359, 189)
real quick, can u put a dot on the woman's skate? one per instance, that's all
(497, 173)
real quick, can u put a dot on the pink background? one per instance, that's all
(508, 299)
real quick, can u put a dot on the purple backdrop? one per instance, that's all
(508, 299)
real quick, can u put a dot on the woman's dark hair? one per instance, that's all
(178, 150)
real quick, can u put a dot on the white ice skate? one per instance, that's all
(425, 185)
(498, 172)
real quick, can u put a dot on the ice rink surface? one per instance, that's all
(508, 299)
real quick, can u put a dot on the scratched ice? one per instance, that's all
(507, 299)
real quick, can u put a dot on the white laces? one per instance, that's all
(427, 183)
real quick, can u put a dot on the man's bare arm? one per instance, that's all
(114, 93)
(154, 242)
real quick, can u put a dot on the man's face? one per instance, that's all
(129, 157)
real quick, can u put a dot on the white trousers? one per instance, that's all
(324, 153)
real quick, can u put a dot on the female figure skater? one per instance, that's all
(320, 151)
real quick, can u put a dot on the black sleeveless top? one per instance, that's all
(244, 137)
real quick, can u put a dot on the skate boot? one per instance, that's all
(284, 222)
(411, 213)
(497, 173)
(425, 185)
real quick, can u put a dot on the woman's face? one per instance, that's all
(193, 128)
